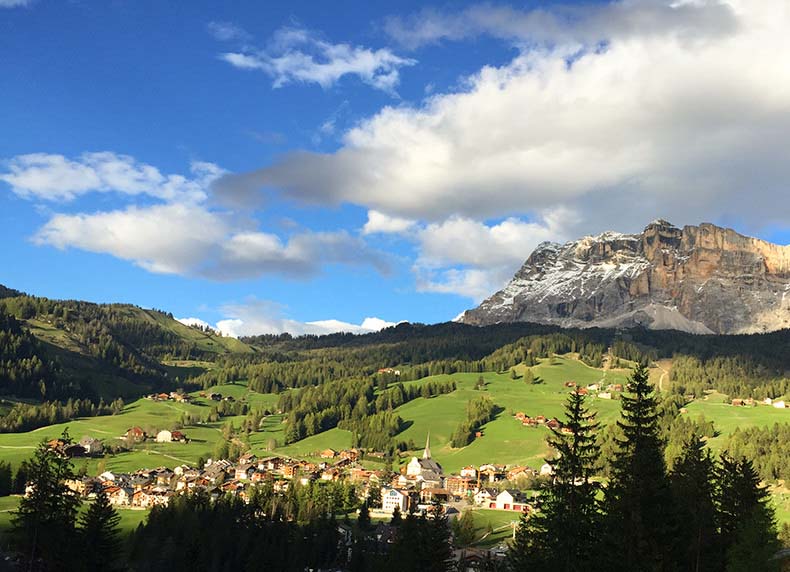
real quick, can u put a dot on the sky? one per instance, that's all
(320, 166)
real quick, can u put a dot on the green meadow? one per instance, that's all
(504, 440)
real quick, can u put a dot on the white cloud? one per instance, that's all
(380, 223)
(15, 3)
(192, 240)
(55, 177)
(571, 23)
(296, 55)
(255, 317)
(195, 322)
(472, 259)
(648, 120)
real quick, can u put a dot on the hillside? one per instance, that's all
(103, 350)
(700, 279)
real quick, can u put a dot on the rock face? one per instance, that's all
(701, 279)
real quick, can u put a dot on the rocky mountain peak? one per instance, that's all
(701, 279)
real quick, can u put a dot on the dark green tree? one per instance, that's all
(692, 486)
(745, 517)
(638, 522)
(43, 525)
(561, 535)
(99, 534)
(363, 519)
(6, 479)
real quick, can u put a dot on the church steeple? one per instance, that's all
(427, 453)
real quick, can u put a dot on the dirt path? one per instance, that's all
(664, 373)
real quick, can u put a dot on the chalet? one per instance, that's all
(119, 496)
(243, 472)
(521, 415)
(469, 471)
(428, 495)
(92, 446)
(164, 436)
(391, 498)
(483, 497)
(566, 431)
(737, 402)
(135, 434)
(178, 437)
(540, 419)
(509, 499)
(349, 454)
(583, 391)
(553, 423)
(74, 450)
(593, 387)
(328, 454)
(459, 486)
(520, 473)
(330, 475)
(779, 404)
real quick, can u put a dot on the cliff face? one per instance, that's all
(700, 279)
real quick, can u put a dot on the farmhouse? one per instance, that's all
(509, 499)
(164, 436)
(779, 404)
(135, 434)
(92, 446)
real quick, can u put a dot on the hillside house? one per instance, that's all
(546, 469)
(92, 446)
(328, 454)
(459, 486)
(135, 434)
(779, 404)
(178, 437)
(469, 471)
(605, 395)
(484, 497)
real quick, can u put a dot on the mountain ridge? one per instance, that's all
(701, 279)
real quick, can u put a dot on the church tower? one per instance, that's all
(427, 453)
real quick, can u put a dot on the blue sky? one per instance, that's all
(263, 166)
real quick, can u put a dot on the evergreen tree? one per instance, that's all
(439, 550)
(638, 527)
(561, 535)
(464, 528)
(99, 532)
(6, 479)
(43, 525)
(396, 517)
(746, 519)
(363, 520)
(692, 485)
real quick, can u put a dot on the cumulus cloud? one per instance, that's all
(646, 120)
(473, 259)
(55, 177)
(380, 223)
(255, 317)
(192, 240)
(297, 55)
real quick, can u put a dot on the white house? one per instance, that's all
(469, 472)
(484, 497)
(605, 395)
(91, 445)
(510, 499)
(779, 404)
(391, 498)
(546, 469)
(164, 436)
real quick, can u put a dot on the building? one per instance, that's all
(779, 404)
(510, 499)
(164, 436)
(484, 496)
(391, 498)
(426, 468)
(92, 446)
(469, 471)
(135, 434)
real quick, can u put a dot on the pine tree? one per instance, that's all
(99, 532)
(561, 535)
(692, 485)
(43, 525)
(439, 550)
(638, 515)
(745, 517)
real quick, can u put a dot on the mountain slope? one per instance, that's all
(700, 279)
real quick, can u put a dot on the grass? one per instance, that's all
(727, 418)
(501, 522)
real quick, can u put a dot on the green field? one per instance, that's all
(504, 441)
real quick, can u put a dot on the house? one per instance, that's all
(243, 472)
(768, 401)
(593, 387)
(510, 499)
(553, 423)
(135, 434)
(328, 454)
(164, 436)
(571, 384)
(779, 404)
(178, 437)
(459, 486)
(92, 446)
(74, 450)
(540, 419)
(521, 415)
(428, 495)
(605, 395)
(520, 473)
(391, 498)
(484, 496)
(546, 469)
(737, 402)
(119, 496)
(350, 455)
(469, 471)
(582, 391)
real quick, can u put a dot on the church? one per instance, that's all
(425, 469)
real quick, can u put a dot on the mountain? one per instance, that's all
(700, 279)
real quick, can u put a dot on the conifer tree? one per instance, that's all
(99, 532)
(692, 485)
(561, 535)
(638, 522)
(746, 519)
(43, 525)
